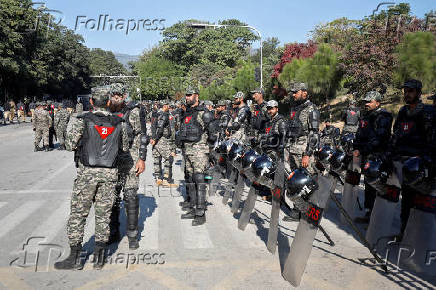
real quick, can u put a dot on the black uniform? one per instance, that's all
(330, 135)
(273, 139)
(351, 117)
(413, 135)
(372, 137)
(259, 120)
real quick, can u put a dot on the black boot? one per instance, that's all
(133, 243)
(200, 209)
(61, 147)
(73, 261)
(114, 224)
(199, 220)
(99, 255)
(189, 215)
(37, 148)
(191, 192)
(132, 212)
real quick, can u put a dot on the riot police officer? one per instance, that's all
(371, 139)
(130, 163)
(302, 135)
(240, 125)
(259, 117)
(97, 138)
(330, 135)
(163, 146)
(274, 137)
(412, 136)
(351, 117)
(303, 130)
(193, 134)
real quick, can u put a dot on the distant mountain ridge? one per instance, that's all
(124, 59)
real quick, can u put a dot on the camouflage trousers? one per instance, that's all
(294, 155)
(196, 158)
(61, 133)
(41, 133)
(127, 178)
(162, 154)
(91, 185)
(8, 116)
(21, 116)
(349, 129)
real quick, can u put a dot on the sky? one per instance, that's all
(288, 20)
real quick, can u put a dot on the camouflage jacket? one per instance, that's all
(61, 117)
(41, 118)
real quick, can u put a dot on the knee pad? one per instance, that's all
(199, 178)
(130, 195)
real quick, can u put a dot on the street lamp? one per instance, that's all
(204, 25)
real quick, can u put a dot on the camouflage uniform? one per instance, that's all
(92, 184)
(193, 134)
(330, 135)
(21, 116)
(303, 135)
(164, 147)
(79, 108)
(240, 125)
(62, 117)
(134, 116)
(41, 123)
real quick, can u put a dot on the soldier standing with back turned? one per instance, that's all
(131, 163)
(97, 137)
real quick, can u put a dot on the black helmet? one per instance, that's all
(264, 166)
(338, 160)
(375, 170)
(235, 151)
(324, 153)
(414, 170)
(228, 143)
(347, 141)
(220, 147)
(249, 157)
(300, 182)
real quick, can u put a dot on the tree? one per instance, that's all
(103, 62)
(320, 72)
(338, 33)
(161, 78)
(188, 46)
(38, 59)
(294, 51)
(244, 80)
(416, 58)
(368, 62)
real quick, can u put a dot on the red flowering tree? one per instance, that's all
(294, 51)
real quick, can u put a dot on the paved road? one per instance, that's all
(34, 206)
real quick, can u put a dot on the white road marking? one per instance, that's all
(16, 217)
